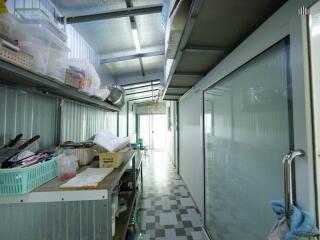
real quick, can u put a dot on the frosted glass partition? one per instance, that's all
(246, 126)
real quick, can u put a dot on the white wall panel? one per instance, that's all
(191, 164)
(79, 47)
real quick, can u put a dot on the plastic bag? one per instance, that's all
(67, 166)
(91, 82)
(279, 230)
(103, 93)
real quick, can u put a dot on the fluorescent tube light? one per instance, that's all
(136, 40)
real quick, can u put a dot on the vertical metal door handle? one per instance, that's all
(287, 179)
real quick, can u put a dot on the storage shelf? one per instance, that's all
(11, 74)
(108, 183)
(122, 222)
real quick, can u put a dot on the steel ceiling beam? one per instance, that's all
(118, 13)
(146, 91)
(135, 99)
(146, 86)
(134, 79)
(131, 57)
(141, 67)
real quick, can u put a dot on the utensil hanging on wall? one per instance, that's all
(11, 152)
(12, 142)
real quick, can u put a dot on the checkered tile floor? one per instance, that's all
(167, 209)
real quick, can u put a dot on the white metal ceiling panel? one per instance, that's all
(125, 68)
(78, 7)
(137, 3)
(151, 32)
(107, 36)
(153, 64)
(113, 37)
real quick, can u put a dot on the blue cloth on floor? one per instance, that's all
(301, 223)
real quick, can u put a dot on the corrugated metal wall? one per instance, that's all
(79, 48)
(80, 122)
(28, 113)
(123, 121)
(127, 124)
(81, 220)
(32, 114)
(132, 119)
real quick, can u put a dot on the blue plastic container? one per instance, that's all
(17, 181)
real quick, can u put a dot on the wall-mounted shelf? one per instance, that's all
(11, 74)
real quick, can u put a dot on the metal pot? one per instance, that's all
(116, 96)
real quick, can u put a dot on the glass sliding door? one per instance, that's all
(247, 131)
(152, 129)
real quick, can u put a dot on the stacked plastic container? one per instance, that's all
(41, 12)
(49, 52)
(37, 31)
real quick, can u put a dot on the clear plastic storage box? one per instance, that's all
(41, 12)
(49, 53)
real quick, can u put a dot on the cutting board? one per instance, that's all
(88, 179)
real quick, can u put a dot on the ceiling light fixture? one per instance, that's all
(136, 40)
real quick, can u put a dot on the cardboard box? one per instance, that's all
(74, 79)
(112, 159)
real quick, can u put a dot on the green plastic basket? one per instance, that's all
(23, 180)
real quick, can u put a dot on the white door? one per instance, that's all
(144, 129)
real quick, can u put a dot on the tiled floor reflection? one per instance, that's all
(168, 211)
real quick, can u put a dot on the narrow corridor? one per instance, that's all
(167, 209)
